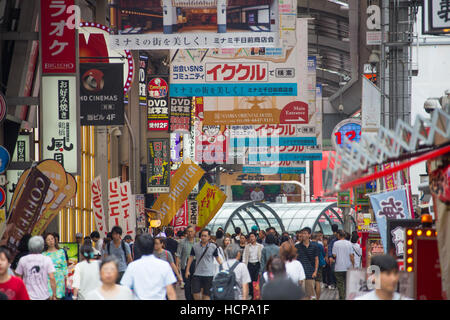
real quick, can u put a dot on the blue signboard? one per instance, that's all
(5, 158)
(350, 128)
(235, 89)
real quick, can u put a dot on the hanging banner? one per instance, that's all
(58, 36)
(210, 199)
(389, 180)
(52, 210)
(115, 213)
(183, 181)
(201, 24)
(389, 205)
(141, 217)
(22, 150)
(180, 221)
(60, 123)
(180, 114)
(25, 209)
(128, 210)
(101, 94)
(158, 165)
(158, 103)
(370, 106)
(193, 212)
(97, 206)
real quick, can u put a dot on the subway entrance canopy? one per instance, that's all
(290, 217)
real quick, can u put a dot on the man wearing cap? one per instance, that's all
(252, 257)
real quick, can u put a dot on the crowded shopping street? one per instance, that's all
(247, 152)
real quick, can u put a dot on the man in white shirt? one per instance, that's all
(388, 281)
(252, 258)
(150, 278)
(233, 254)
(343, 254)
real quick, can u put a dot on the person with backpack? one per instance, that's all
(322, 263)
(308, 255)
(204, 253)
(120, 249)
(357, 251)
(160, 253)
(232, 281)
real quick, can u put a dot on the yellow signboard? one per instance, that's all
(182, 183)
(210, 199)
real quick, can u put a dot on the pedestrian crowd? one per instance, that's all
(260, 265)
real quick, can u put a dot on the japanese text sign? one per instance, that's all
(58, 36)
(180, 221)
(210, 199)
(101, 94)
(183, 181)
(158, 103)
(180, 114)
(60, 125)
(158, 165)
(210, 143)
(97, 206)
(193, 212)
(141, 217)
(128, 210)
(389, 205)
(115, 213)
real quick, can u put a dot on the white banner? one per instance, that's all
(193, 40)
(128, 209)
(97, 206)
(115, 213)
(60, 123)
(370, 107)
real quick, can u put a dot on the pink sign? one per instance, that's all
(97, 205)
(180, 221)
(58, 36)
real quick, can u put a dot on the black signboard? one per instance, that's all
(396, 235)
(158, 167)
(180, 114)
(101, 94)
(158, 103)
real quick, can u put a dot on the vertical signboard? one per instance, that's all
(180, 114)
(158, 103)
(60, 122)
(143, 65)
(141, 217)
(115, 214)
(101, 94)
(158, 165)
(128, 210)
(97, 206)
(193, 212)
(180, 221)
(22, 150)
(58, 36)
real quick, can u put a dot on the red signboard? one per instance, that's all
(58, 36)
(427, 269)
(180, 221)
(295, 112)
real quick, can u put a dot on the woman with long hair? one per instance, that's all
(58, 257)
(294, 268)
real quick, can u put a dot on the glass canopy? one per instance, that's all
(290, 217)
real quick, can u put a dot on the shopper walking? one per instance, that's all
(120, 249)
(343, 254)
(269, 250)
(149, 277)
(165, 255)
(86, 276)
(294, 269)
(170, 244)
(204, 253)
(182, 255)
(37, 271)
(23, 250)
(357, 250)
(319, 277)
(252, 259)
(389, 278)
(221, 251)
(109, 289)
(58, 257)
(279, 286)
(13, 287)
(332, 262)
(308, 255)
(233, 255)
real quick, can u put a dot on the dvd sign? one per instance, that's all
(158, 103)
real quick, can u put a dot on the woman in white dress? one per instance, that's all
(86, 276)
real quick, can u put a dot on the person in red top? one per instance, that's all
(13, 287)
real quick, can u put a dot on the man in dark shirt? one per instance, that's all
(308, 255)
(332, 263)
(171, 243)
